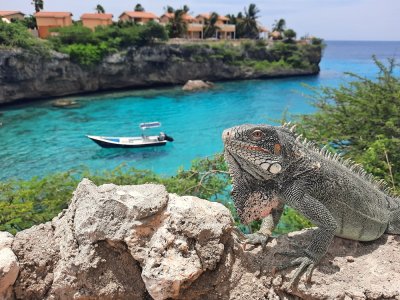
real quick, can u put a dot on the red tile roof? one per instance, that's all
(168, 15)
(207, 16)
(52, 14)
(140, 14)
(97, 16)
(185, 16)
(5, 13)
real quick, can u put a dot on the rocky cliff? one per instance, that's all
(27, 75)
(139, 242)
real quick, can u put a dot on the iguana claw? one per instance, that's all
(256, 239)
(307, 265)
(251, 239)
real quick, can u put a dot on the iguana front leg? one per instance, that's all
(267, 226)
(322, 237)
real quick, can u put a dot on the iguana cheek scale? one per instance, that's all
(273, 166)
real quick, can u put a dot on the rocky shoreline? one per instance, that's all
(29, 76)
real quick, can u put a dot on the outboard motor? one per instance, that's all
(169, 138)
(163, 137)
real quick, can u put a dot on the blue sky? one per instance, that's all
(329, 19)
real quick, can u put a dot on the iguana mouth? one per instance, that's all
(237, 169)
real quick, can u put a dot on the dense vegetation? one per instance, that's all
(88, 47)
(361, 120)
(84, 46)
(15, 35)
(259, 56)
(24, 203)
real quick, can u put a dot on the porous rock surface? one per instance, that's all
(8, 265)
(194, 85)
(139, 242)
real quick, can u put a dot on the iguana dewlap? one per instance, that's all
(272, 166)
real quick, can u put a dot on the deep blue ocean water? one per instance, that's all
(37, 139)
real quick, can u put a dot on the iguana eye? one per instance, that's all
(257, 135)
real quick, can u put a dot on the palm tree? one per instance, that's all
(169, 9)
(232, 19)
(247, 25)
(139, 7)
(99, 9)
(210, 28)
(279, 25)
(38, 5)
(177, 27)
(290, 35)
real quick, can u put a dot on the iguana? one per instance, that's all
(272, 166)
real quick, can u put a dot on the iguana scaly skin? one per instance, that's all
(272, 166)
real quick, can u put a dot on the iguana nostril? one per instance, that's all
(225, 135)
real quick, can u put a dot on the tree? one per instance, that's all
(361, 120)
(38, 5)
(100, 9)
(279, 25)
(169, 9)
(247, 26)
(139, 7)
(211, 28)
(232, 19)
(290, 35)
(176, 26)
(186, 9)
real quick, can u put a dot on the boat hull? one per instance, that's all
(114, 144)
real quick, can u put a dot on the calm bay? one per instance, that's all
(37, 139)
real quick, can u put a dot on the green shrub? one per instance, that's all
(152, 32)
(88, 47)
(85, 55)
(16, 35)
(317, 41)
(75, 34)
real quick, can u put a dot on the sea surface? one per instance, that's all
(38, 139)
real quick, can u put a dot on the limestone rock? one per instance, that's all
(65, 103)
(9, 267)
(194, 85)
(26, 75)
(121, 242)
(139, 242)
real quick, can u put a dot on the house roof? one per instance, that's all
(140, 14)
(186, 17)
(208, 15)
(53, 14)
(5, 13)
(97, 16)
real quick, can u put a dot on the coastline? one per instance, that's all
(26, 76)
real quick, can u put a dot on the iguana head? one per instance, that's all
(256, 155)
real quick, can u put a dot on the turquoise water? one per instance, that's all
(39, 139)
